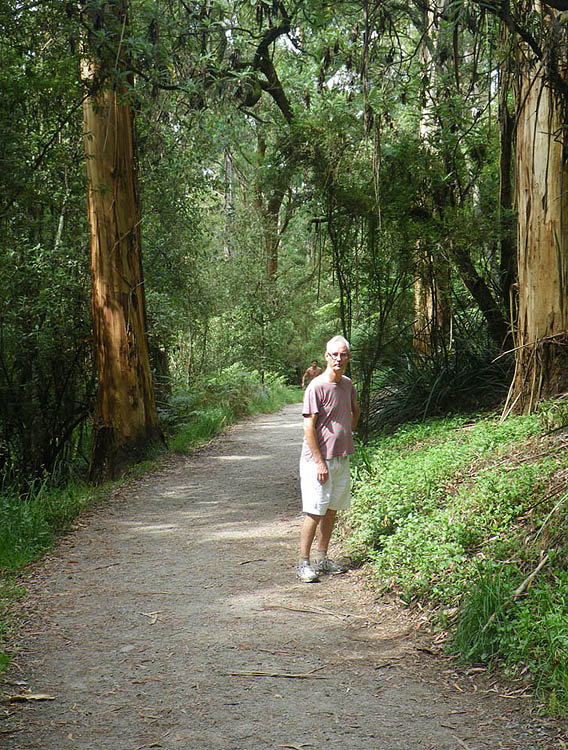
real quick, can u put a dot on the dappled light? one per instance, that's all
(260, 457)
(196, 198)
(158, 528)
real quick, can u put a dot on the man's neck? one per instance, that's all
(333, 376)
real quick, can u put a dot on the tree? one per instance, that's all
(431, 282)
(542, 200)
(125, 418)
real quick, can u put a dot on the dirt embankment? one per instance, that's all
(171, 618)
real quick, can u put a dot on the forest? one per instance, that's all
(197, 193)
(188, 187)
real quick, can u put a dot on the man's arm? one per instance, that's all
(304, 376)
(355, 410)
(313, 444)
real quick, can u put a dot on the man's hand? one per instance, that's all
(312, 440)
(322, 472)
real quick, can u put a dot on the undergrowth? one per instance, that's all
(457, 513)
(193, 415)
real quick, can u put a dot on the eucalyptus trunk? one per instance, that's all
(432, 316)
(125, 418)
(542, 247)
(432, 313)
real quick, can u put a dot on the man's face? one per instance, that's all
(338, 358)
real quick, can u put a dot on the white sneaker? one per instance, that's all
(326, 565)
(306, 573)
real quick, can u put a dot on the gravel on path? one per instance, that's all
(171, 618)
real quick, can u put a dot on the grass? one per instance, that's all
(31, 525)
(192, 416)
(456, 513)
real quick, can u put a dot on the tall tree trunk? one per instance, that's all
(497, 326)
(272, 232)
(508, 258)
(229, 227)
(432, 312)
(269, 198)
(542, 200)
(125, 418)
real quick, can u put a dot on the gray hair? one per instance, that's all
(338, 339)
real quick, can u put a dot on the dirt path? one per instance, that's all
(172, 619)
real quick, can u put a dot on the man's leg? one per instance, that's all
(324, 531)
(307, 533)
(322, 563)
(304, 569)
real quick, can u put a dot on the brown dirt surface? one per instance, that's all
(171, 618)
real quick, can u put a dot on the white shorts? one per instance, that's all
(335, 494)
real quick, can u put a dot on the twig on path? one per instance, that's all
(461, 742)
(289, 675)
(387, 663)
(258, 559)
(309, 610)
(25, 697)
(152, 615)
(321, 611)
(296, 747)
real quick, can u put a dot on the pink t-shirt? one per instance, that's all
(332, 402)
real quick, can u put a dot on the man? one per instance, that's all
(312, 372)
(331, 412)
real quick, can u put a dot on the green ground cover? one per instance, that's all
(457, 514)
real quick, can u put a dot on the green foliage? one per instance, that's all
(467, 377)
(400, 486)
(28, 526)
(193, 416)
(46, 383)
(526, 634)
(46, 380)
(457, 513)
(476, 638)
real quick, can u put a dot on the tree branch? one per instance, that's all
(502, 11)
(263, 62)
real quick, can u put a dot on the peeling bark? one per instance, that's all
(542, 200)
(125, 418)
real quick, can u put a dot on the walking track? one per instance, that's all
(171, 618)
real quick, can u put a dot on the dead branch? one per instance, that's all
(287, 675)
(520, 589)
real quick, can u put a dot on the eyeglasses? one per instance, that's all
(338, 355)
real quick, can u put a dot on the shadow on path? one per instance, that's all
(171, 618)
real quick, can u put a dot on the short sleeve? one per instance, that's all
(310, 404)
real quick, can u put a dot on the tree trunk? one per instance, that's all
(125, 418)
(269, 198)
(272, 232)
(508, 258)
(497, 326)
(542, 200)
(432, 312)
(229, 227)
(432, 315)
